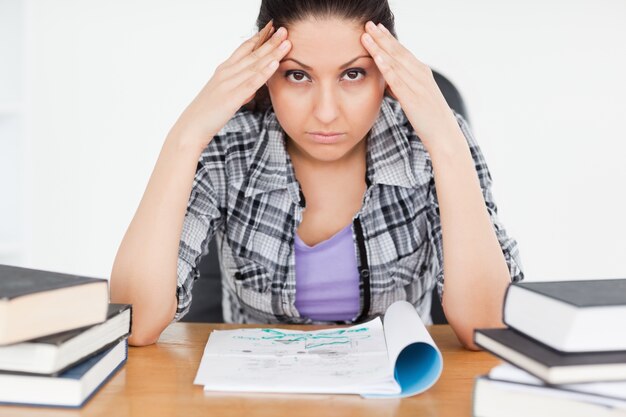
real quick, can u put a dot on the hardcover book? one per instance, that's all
(51, 355)
(570, 316)
(35, 303)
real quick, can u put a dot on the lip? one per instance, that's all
(325, 137)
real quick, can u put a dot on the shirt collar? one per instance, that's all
(389, 149)
(388, 156)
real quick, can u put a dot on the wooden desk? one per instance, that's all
(157, 380)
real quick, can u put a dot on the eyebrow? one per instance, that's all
(310, 68)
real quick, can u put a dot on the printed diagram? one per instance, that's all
(279, 342)
(346, 337)
(340, 357)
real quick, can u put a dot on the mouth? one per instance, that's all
(325, 137)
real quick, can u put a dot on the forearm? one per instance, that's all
(145, 267)
(475, 271)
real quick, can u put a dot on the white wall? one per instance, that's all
(543, 82)
(11, 30)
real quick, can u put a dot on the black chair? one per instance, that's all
(207, 290)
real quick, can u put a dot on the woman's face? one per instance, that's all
(327, 83)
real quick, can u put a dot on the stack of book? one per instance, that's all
(60, 339)
(565, 344)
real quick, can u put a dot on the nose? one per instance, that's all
(326, 108)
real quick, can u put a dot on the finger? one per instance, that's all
(244, 49)
(255, 56)
(248, 46)
(383, 60)
(266, 32)
(254, 80)
(395, 74)
(397, 57)
(258, 66)
(392, 46)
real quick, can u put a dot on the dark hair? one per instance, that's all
(287, 12)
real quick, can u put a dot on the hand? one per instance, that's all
(411, 82)
(233, 84)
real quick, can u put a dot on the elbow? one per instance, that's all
(464, 322)
(147, 325)
(465, 326)
(465, 334)
(143, 339)
(145, 333)
(469, 343)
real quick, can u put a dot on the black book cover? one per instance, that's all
(547, 356)
(591, 293)
(16, 281)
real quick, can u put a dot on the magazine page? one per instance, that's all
(336, 360)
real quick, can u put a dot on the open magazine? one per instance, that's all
(394, 359)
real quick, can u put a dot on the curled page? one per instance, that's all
(415, 359)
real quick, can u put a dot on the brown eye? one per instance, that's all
(295, 76)
(353, 74)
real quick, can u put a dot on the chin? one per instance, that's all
(325, 152)
(326, 155)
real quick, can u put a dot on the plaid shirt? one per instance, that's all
(245, 192)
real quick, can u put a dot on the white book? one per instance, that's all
(570, 316)
(73, 388)
(52, 355)
(497, 398)
(511, 392)
(397, 359)
(614, 390)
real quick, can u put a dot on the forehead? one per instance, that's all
(325, 42)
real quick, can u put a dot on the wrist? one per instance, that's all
(186, 138)
(187, 141)
(447, 144)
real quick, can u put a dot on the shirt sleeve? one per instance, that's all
(508, 244)
(202, 218)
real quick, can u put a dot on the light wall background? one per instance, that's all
(102, 82)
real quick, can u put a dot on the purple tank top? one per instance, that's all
(327, 278)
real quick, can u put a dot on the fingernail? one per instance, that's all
(368, 38)
(382, 28)
(280, 31)
(283, 45)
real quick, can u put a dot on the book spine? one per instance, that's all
(507, 294)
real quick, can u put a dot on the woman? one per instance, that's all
(344, 184)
